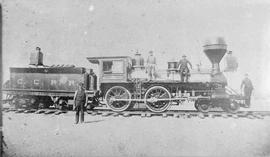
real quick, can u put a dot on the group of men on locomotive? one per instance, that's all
(184, 66)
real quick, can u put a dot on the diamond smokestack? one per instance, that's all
(215, 51)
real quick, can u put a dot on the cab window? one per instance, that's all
(113, 67)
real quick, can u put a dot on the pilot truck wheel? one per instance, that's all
(232, 107)
(202, 105)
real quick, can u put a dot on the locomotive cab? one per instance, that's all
(112, 69)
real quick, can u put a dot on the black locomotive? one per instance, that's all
(122, 84)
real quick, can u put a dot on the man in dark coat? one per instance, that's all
(248, 87)
(80, 103)
(183, 68)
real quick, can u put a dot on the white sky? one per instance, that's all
(68, 31)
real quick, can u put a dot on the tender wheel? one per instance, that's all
(153, 96)
(62, 104)
(118, 92)
(203, 106)
(233, 107)
(33, 102)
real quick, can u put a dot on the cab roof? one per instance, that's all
(95, 60)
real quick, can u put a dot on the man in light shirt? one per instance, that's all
(151, 65)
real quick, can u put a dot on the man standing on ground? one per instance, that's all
(151, 65)
(80, 103)
(248, 87)
(183, 68)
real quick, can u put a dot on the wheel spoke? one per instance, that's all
(121, 92)
(164, 94)
(111, 94)
(124, 95)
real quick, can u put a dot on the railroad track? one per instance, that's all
(143, 113)
(41, 111)
(183, 114)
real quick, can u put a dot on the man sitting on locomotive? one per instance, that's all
(183, 68)
(151, 66)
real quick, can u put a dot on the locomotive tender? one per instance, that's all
(43, 86)
(121, 84)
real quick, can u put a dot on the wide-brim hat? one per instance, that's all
(184, 56)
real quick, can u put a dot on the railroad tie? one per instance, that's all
(211, 115)
(19, 110)
(200, 115)
(185, 116)
(164, 115)
(126, 114)
(235, 116)
(94, 113)
(115, 114)
(5, 109)
(59, 112)
(30, 111)
(259, 116)
(49, 111)
(176, 115)
(90, 112)
(250, 116)
(8, 110)
(105, 114)
(40, 111)
(148, 114)
(224, 115)
(143, 114)
(26, 111)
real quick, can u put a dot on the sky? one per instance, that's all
(68, 31)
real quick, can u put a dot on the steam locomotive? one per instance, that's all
(121, 84)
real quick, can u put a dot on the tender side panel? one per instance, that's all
(46, 79)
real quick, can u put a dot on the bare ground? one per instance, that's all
(57, 135)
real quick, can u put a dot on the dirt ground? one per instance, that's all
(57, 135)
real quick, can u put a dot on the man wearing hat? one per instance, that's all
(80, 103)
(151, 65)
(248, 87)
(183, 68)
